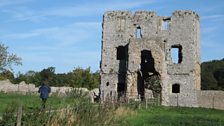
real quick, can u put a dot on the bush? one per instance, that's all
(9, 115)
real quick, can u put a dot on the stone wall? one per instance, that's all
(6, 86)
(211, 99)
(23, 88)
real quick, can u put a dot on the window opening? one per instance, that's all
(166, 24)
(176, 54)
(138, 32)
(175, 88)
(121, 53)
(147, 63)
(107, 83)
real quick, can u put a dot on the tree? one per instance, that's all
(49, 74)
(33, 77)
(84, 78)
(77, 78)
(212, 74)
(153, 83)
(6, 75)
(7, 59)
(219, 76)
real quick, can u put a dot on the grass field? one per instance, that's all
(85, 113)
(31, 101)
(174, 116)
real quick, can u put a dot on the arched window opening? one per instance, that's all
(107, 84)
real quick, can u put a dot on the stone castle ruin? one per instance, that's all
(136, 55)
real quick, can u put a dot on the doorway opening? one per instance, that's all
(148, 77)
(120, 53)
(121, 84)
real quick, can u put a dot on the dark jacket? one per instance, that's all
(44, 90)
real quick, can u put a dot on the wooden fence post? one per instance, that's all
(139, 101)
(19, 116)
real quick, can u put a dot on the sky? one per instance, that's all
(67, 34)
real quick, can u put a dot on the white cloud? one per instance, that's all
(63, 47)
(61, 36)
(215, 17)
(73, 10)
(89, 9)
(208, 30)
(21, 35)
(24, 14)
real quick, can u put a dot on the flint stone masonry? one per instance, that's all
(22, 88)
(138, 46)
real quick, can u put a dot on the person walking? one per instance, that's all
(44, 91)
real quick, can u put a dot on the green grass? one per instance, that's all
(31, 101)
(174, 116)
(84, 113)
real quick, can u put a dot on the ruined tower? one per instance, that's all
(139, 47)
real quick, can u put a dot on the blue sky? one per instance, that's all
(67, 34)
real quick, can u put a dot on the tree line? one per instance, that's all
(212, 75)
(79, 77)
